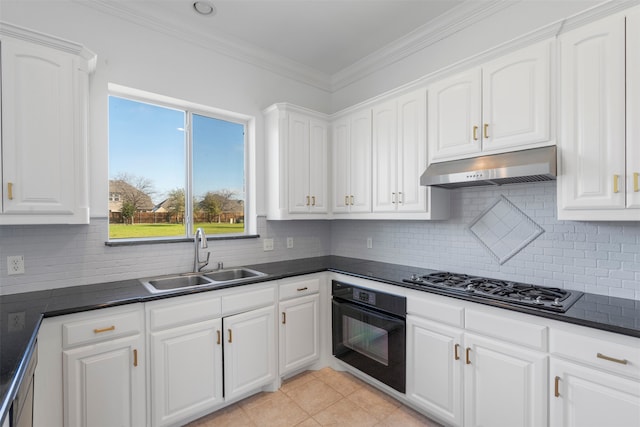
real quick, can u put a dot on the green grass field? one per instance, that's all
(122, 231)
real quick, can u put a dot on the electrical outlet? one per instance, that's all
(15, 265)
(15, 321)
(289, 242)
(267, 244)
(369, 243)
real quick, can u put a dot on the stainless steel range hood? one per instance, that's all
(537, 164)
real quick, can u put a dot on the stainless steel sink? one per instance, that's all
(233, 274)
(196, 280)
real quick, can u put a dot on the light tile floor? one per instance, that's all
(318, 398)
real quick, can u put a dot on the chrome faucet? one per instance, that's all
(197, 264)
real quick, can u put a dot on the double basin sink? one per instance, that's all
(199, 280)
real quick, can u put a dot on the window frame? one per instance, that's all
(250, 217)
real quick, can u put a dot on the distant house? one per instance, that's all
(161, 207)
(119, 191)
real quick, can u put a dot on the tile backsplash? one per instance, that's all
(504, 230)
(61, 256)
(598, 257)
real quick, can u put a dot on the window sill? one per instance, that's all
(161, 240)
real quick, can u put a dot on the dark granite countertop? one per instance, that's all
(17, 338)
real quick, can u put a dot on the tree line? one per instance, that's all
(136, 193)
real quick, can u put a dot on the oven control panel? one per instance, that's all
(388, 303)
(364, 296)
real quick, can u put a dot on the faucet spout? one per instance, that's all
(199, 241)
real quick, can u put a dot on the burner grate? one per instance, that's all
(555, 299)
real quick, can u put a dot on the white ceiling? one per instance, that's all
(325, 37)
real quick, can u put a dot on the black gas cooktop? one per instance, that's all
(554, 299)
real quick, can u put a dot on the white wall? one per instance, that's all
(597, 257)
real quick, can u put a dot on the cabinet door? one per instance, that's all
(585, 397)
(516, 104)
(455, 117)
(412, 151)
(434, 369)
(360, 163)
(318, 166)
(385, 161)
(186, 371)
(105, 384)
(43, 148)
(633, 109)
(341, 172)
(299, 333)
(592, 114)
(249, 351)
(505, 385)
(298, 147)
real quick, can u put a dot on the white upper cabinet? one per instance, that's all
(632, 181)
(400, 157)
(455, 113)
(307, 164)
(44, 135)
(599, 166)
(352, 163)
(502, 106)
(297, 159)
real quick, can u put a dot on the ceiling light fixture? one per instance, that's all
(204, 8)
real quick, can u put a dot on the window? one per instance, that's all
(174, 168)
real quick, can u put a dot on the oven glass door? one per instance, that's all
(370, 341)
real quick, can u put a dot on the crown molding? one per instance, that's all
(598, 11)
(430, 33)
(235, 49)
(49, 41)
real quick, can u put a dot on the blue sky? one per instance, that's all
(148, 141)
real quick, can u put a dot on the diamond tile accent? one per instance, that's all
(504, 230)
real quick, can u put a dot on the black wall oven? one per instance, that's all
(369, 330)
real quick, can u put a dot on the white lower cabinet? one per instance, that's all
(91, 369)
(186, 371)
(299, 310)
(104, 384)
(594, 377)
(249, 351)
(466, 379)
(201, 359)
(434, 370)
(504, 384)
(587, 397)
(185, 357)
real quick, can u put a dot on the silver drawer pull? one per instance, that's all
(612, 359)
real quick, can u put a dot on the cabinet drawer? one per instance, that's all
(299, 288)
(101, 326)
(613, 352)
(248, 299)
(183, 311)
(434, 308)
(507, 327)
